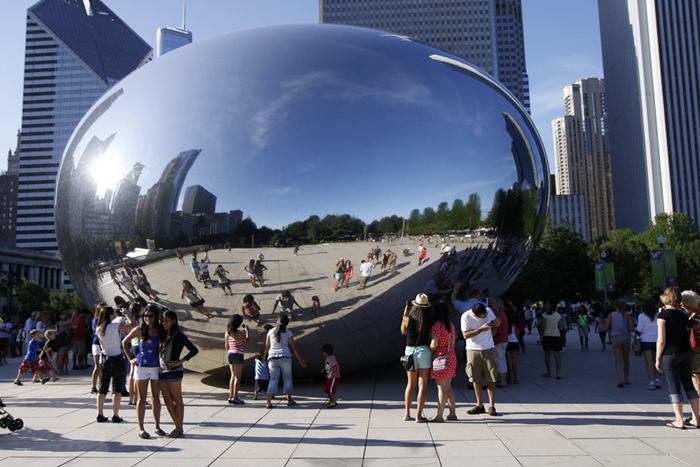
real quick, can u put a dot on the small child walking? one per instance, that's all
(262, 375)
(332, 370)
(315, 305)
(31, 360)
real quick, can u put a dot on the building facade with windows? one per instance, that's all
(488, 33)
(569, 211)
(75, 50)
(650, 60)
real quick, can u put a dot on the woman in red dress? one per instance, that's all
(443, 345)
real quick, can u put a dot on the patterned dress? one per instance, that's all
(444, 338)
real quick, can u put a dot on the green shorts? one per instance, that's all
(422, 357)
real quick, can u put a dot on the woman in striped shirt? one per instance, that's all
(235, 339)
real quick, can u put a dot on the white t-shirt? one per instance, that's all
(646, 328)
(111, 342)
(366, 268)
(469, 322)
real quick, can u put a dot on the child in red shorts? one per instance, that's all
(332, 370)
(31, 360)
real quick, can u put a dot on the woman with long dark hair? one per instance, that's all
(673, 356)
(172, 341)
(235, 340)
(444, 357)
(415, 325)
(279, 349)
(147, 364)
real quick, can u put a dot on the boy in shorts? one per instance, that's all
(31, 360)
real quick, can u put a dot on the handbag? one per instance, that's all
(442, 362)
(636, 345)
(407, 362)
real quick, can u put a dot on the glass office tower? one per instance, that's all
(75, 51)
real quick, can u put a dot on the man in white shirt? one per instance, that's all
(365, 272)
(478, 325)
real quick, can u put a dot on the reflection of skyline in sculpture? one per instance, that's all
(96, 220)
(155, 207)
(523, 156)
(124, 202)
(198, 200)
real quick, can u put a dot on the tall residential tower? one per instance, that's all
(75, 50)
(652, 74)
(581, 153)
(488, 33)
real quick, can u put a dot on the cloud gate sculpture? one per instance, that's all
(281, 124)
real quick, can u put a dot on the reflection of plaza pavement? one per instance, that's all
(361, 324)
(581, 420)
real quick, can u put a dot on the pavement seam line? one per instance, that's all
(369, 417)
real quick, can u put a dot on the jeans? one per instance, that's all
(677, 370)
(280, 367)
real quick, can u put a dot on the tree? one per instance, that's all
(458, 215)
(631, 258)
(32, 297)
(473, 212)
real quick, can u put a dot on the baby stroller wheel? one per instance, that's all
(16, 424)
(4, 422)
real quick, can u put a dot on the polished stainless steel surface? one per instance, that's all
(286, 122)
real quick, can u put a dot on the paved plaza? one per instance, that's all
(581, 420)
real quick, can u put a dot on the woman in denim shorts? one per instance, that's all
(415, 325)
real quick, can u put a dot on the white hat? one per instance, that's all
(421, 300)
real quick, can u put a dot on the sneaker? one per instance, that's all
(101, 419)
(18, 382)
(237, 401)
(476, 410)
(117, 419)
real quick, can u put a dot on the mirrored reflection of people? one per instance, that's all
(619, 326)
(443, 335)
(279, 349)
(193, 298)
(108, 329)
(339, 273)
(478, 326)
(147, 362)
(286, 301)
(235, 341)
(194, 265)
(347, 273)
(691, 302)
(365, 271)
(180, 256)
(673, 357)
(422, 253)
(416, 325)
(393, 257)
(172, 342)
(260, 269)
(250, 309)
(551, 326)
(250, 269)
(224, 281)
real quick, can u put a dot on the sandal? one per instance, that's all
(268, 405)
(408, 418)
(451, 418)
(437, 420)
(673, 425)
(421, 419)
(175, 434)
(144, 435)
(160, 432)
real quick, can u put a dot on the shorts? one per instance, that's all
(235, 358)
(27, 365)
(96, 350)
(363, 281)
(330, 386)
(261, 385)
(482, 366)
(224, 283)
(695, 363)
(144, 373)
(551, 343)
(171, 376)
(4, 343)
(648, 346)
(422, 357)
(621, 341)
(338, 276)
(583, 331)
(198, 303)
(112, 370)
(513, 347)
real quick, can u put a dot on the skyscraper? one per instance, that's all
(75, 50)
(653, 80)
(581, 153)
(488, 33)
(169, 39)
(198, 201)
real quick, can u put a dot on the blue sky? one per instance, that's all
(562, 43)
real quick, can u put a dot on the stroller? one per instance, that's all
(8, 421)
